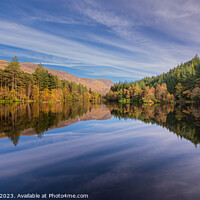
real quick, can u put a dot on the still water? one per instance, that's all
(106, 151)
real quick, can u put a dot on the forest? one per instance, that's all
(181, 84)
(17, 85)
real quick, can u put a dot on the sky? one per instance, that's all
(114, 39)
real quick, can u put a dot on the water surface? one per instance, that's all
(106, 151)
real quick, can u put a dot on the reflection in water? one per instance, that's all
(110, 159)
(183, 121)
(35, 118)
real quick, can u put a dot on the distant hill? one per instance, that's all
(96, 85)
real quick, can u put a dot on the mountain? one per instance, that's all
(96, 85)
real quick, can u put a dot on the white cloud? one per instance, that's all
(27, 38)
(122, 50)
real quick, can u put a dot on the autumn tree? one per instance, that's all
(196, 94)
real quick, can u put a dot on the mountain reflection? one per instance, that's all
(36, 118)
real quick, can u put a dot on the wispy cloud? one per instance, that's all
(28, 38)
(118, 39)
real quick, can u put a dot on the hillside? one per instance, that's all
(186, 75)
(96, 85)
(183, 82)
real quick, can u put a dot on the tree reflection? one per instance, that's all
(30, 119)
(36, 118)
(183, 121)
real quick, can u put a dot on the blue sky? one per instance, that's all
(114, 39)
